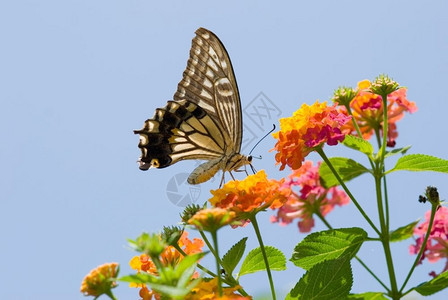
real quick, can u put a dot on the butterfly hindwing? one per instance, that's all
(180, 130)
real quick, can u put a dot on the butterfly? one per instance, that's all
(203, 121)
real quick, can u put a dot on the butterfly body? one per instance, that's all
(204, 119)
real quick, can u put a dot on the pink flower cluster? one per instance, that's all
(437, 245)
(311, 198)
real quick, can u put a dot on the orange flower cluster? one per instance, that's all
(367, 109)
(255, 192)
(100, 280)
(208, 290)
(312, 198)
(309, 127)
(170, 256)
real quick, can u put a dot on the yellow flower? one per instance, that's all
(100, 280)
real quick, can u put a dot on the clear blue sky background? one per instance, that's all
(76, 77)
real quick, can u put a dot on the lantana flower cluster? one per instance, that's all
(367, 110)
(437, 245)
(170, 256)
(309, 127)
(311, 198)
(254, 193)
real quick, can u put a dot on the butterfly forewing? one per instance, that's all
(209, 81)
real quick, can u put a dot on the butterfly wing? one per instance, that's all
(204, 120)
(209, 81)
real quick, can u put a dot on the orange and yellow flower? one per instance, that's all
(309, 127)
(255, 192)
(208, 290)
(169, 257)
(211, 219)
(100, 280)
(367, 109)
(311, 198)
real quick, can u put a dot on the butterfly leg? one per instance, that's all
(222, 179)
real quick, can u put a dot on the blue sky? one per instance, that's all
(76, 77)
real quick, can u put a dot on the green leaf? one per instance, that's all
(329, 280)
(367, 296)
(397, 151)
(139, 278)
(433, 286)
(327, 245)
(233, 256)
(421, 162)
(187, 263)
(358, 144)
(403, 232)
(345, 167)
(173, 292)
(254, 261)
(185, 269)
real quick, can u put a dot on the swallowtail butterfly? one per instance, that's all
(204, 119)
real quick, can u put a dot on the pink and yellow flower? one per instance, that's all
(255, 192)
(309, 127)
(367, 109)
(437, 245)
(311, 198)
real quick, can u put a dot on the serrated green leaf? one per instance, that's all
(327, 245)
(329, 280)
(397, 151)
(346, 168)
(403, 232)
(231, 259)
(254, 261)
(433, 286)
(367, 296)
(421, 162)
(358, 144)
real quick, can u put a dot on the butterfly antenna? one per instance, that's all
(262, 139)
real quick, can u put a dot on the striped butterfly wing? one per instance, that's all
(203, 121)
(209, 81)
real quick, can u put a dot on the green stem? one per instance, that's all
(373, 274)
(385, 240)
(341, 182)
(385, 129)
(322, 218)
(422, 249)
(202, 268)
(218, 264)
(212, 250)
(358, 130)
(253, 220)
(386, 198)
